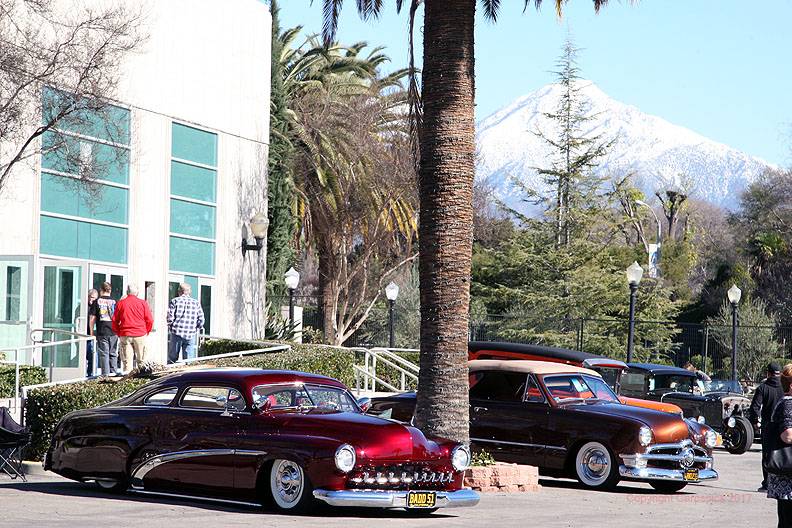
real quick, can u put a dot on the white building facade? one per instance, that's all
(183, 175)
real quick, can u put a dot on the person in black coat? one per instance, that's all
(767, 395)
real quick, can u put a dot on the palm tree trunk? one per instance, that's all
(446, 216)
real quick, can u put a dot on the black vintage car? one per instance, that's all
(721, 404)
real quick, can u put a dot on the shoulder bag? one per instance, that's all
(779, 459)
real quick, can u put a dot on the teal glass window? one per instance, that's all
(63, 195)
(72, 155)
(83, 240)
(191, 256)
(13, 293)
(194, 182)
(188, 218)
(206, 304)
(193, 282)
(106, 122)
(194, 145)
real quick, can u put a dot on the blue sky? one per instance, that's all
(719, 67)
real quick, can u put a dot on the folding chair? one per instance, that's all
(13, 440)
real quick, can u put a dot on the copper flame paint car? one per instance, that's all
(287, 439)
(567, 421)
(611, 370)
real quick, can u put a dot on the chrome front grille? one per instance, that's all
(400, 477)
(680, 455)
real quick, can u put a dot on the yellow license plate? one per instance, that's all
(691, 475)
(421, 499)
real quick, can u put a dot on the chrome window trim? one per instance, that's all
(151, 394)
(343, 389)
(187, 388)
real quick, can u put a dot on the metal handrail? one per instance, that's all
(404, 367)
(239, 353)
(368, 375)
(38, 344)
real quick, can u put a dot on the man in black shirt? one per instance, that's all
(106, 341)
(767, 395)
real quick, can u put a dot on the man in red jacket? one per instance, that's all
(132, 322)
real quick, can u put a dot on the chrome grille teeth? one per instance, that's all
(393, 477)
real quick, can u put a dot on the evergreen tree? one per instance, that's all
(576, 152)
(280, 187)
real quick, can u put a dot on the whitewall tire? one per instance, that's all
(595, 466)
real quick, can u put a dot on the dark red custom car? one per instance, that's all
(281, 438)
(567, 421)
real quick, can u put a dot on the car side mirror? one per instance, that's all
(364, 404)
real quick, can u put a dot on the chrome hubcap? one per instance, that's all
(594, 465)
(288, 481)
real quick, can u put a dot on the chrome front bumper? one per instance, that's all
(393, 498)
(639, 465)
(678, 475)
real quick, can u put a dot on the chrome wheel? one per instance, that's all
(287, 483)
(594, 466)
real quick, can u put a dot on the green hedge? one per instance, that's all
(27, 376)
(317, 359)
(213, 347)
(46, 406)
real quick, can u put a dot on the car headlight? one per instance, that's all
(460, 457)
(701, 420)
(645, 436)
(731, 422)
(710, 438)
(345, 458)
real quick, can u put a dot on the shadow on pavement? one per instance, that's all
(620, 489)
(78, 489)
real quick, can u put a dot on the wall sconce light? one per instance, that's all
(258, 227)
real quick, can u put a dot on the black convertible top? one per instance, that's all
(655, 368)
(536, 350)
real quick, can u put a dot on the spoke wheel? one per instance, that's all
(290, 489)
(594, 466)
(739, 438)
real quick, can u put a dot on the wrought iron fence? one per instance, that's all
(708, 347)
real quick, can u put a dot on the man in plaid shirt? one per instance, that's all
(185, 320)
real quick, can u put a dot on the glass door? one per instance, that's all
(201, 290)
(64, 308)
(117, 277)
(15, 297)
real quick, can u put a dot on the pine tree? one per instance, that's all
(280, 186)
(576, 153)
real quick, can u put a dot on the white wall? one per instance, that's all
(205, 62)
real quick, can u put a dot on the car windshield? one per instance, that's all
(305, 396)
(570, 387)
(723, 386)
(676, 383)
(611, 375)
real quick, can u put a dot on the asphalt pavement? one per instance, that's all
(731, 501)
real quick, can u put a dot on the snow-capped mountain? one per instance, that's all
(660, 155)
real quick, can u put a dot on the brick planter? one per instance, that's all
(502, 477)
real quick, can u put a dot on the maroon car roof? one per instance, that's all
(249, 377)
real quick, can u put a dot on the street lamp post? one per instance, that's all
(734, 295)
(292, 279)
(654, 256)
(634, 274)
(391, 293)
